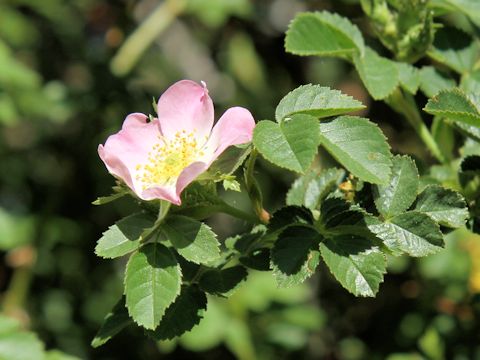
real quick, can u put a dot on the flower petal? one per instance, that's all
(189, 174)
(233, 128)
(187, 106)
(129, 147)
(161, 192)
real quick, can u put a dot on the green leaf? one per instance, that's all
(295, 255)
(355, 263)
(455, 49)
(20, 345)
(396, 196)
(310, 189)
(470, 8)
(194, 240)
(318, 101)
(152, 282)
(339, 217)
(182, 315)
(114, 322)
(408, 76)
(258, 259)
(107, 199)
(223, 282)
(412, 232)
(323, 34)
(379, 75)
(290, 215)
(454, 105)
(445, 206)
(230, 160)
(124, 237)
(432, 81)
(359, 145)
(291, 144)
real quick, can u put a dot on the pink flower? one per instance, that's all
(158, 159)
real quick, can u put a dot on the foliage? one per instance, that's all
(348, 181)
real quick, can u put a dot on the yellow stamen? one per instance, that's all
(167, 160)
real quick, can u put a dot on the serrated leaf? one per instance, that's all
(223, 282)
(412, 232)
(114, 322)
(445, 206)
(323, 34)
(294, 255)
(408, 76)
(355, 263)
(397, 196)
(194, 240)
(310, 189)
(290, 215)
(378, 74)
(359, 145)
(152, 282)
(432, 81)
(454, 105)
(124, 237)
(455, 49)
(291, 144)
(186, 311)
(318, 101)
(258, 259)
(338, 217)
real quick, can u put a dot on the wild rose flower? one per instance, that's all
(158, 159)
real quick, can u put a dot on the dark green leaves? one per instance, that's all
(400, 192)
(182, 315)
(194, 240)
(292, 144)
(359, 145)
(316, 100)
(114, 322)
(445, 206)
(123, 237)
(223, 282)
(355, 262)
(152, 282)
(324, 34)
(455, 105)
(295, 255)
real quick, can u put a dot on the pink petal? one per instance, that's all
(187, 106)
(161, 192)
(234, 127)
(129, 147)
(189, 174)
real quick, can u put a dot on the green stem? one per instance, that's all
(404, 104)
(17, 292)
(136, 44)
(162, 213)
(253, 189)
(230, 210)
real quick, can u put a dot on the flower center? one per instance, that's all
(167, 160)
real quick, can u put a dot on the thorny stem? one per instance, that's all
(404, 104)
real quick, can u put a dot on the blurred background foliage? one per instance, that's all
(70, 71)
